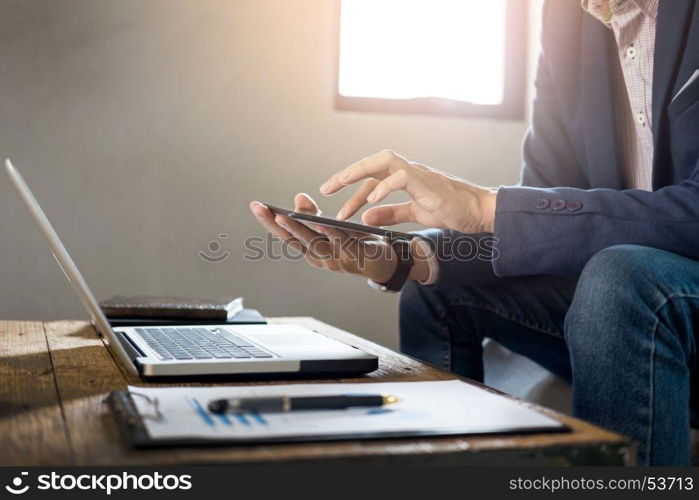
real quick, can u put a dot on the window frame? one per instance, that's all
(512, 107)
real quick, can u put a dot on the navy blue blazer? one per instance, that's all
(571, 202)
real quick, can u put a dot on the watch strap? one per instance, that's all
(401, 249)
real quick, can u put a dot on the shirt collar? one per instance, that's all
(648, 7)
(603, 9)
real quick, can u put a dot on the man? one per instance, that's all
(595, 273)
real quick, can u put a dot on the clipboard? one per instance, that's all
(128, 419)
(139, 409)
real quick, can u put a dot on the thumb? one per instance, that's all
(304, 203)
(387, 215)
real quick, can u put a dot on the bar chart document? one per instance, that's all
(424, 408)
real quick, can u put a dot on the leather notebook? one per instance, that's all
(244, 317)
(172, 307)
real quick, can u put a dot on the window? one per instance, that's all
(463, 57)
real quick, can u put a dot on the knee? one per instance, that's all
(615, 284)
(421, 309)
(419, 301)
(409, 295)
(410, 299)
(617, 273)
(420, 323)
(619, 267)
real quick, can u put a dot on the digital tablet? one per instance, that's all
(339, 224)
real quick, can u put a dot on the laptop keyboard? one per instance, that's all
(199, 343)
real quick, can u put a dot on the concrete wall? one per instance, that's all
(146, 127)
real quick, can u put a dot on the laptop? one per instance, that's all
(195, 351)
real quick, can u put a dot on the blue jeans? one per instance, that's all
(623, 333)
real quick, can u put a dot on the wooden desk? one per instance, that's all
(54, 377)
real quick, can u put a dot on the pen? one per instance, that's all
(280, 404)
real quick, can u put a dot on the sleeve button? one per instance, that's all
(543, 203)
(559, 205)
(574, 206)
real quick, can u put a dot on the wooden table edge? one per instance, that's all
(583, 436)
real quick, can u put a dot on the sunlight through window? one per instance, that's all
(404, 49)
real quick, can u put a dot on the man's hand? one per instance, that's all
(437, 199)
(337, 250)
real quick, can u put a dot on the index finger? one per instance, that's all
(378, 166)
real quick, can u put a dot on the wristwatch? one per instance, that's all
(401, 248)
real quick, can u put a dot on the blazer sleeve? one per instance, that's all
(557, 230)
(462, 259)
